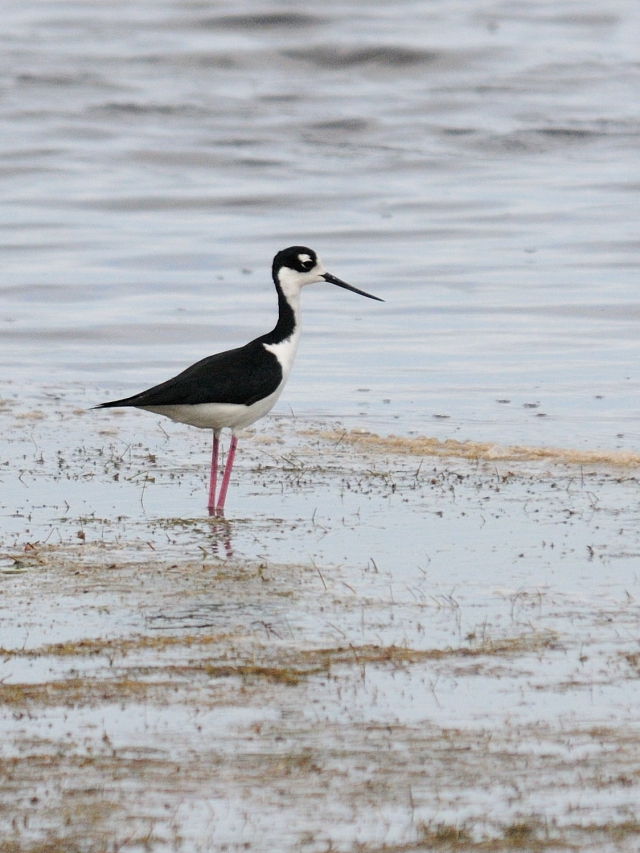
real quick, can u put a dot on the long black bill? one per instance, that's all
(333, 280)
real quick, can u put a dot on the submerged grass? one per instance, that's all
(474, 450)
(117, 645)
(77, 691)
(531, 835)
(440, 837)
(320, 658)
(156, 681)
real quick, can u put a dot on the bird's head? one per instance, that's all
(298, 266)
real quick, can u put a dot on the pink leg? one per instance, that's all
(214, 472)
(227, 474)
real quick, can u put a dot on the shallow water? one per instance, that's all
(376, 647)
(475, 165)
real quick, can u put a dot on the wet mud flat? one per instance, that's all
(386, 645)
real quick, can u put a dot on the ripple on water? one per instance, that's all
(478, 170)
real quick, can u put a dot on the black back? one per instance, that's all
(242, 376)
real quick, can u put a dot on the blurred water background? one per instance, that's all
(474, 162)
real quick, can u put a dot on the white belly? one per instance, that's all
(219, 416)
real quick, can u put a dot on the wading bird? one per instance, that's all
(233, 389)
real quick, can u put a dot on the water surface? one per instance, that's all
(474, 164)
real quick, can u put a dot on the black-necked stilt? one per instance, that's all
(234, 388)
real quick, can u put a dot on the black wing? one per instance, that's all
(240, 376)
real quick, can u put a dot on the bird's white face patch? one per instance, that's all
(292, 281)
(304, 258)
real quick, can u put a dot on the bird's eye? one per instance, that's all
(306, 262)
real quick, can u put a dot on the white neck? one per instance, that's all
(290, 283)
(286, 350)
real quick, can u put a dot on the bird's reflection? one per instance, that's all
(222, 535)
